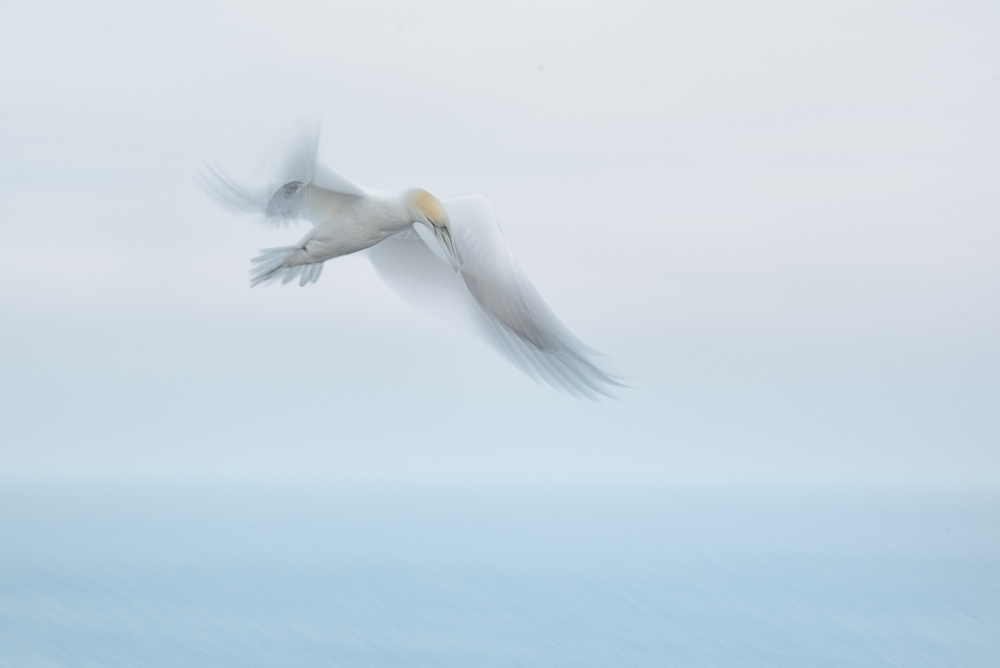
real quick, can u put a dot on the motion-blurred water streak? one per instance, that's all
(389, 576)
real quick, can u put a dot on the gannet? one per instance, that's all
(416, 242)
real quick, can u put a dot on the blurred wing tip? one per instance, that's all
(563, 368)
(227, 192)
(602, 387)
(238, 199)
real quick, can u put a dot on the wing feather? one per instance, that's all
(506, 308)
(300, 188)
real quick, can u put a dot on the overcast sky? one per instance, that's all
(780, 220)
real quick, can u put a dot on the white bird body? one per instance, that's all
(418, 243)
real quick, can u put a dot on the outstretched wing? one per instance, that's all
(505, 306)
(300, 187)
(421, 275)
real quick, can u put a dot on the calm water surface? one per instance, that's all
(512, 576)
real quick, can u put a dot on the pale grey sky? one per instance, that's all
(781, 220)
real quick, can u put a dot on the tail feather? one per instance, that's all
(285, 263)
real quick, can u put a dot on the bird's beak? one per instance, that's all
(444, 236)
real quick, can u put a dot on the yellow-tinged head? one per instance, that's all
(429, 206)
(431, 213)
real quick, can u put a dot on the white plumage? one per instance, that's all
(417, 244)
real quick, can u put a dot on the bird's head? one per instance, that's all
(428, 211)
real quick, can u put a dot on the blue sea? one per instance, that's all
(501, 575)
